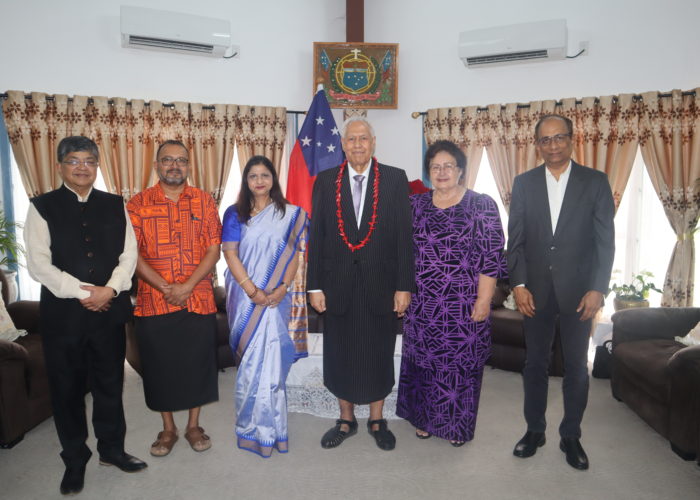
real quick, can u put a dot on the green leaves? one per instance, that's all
(9, 246)
(637, 289)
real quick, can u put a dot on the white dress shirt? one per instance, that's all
(351, 175)
(555, 195)
(555, 192)
(37, 240)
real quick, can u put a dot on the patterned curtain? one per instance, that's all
(211, 142)
(127, 133)
(35, 127)
(671, 152)
(605, 136)
(260, 130)
(123, 132)
(509, 136)
(459, 125)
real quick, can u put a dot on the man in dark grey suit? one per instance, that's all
(361, 275)
(561, 245)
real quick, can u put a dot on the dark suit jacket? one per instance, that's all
(578, 257)
(385, 264)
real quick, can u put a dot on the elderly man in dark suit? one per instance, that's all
(560, 254)
(361, 275)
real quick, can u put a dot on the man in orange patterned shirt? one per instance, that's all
(178, 231)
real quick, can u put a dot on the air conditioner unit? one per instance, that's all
(516, 43)
(176, 32)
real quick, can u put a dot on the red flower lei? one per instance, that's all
(375, 202)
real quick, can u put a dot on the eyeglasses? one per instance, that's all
(556, 139)
(76, 163)
(445, 167)
(169, 160)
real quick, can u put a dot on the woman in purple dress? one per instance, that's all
(458, 248)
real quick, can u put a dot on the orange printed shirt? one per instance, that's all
(173, 238)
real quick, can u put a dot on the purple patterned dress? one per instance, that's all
(444, 351)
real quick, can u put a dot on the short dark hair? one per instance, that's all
(77, 143)
(569, 124)
(171, 142)
(245, 201)
(448, 147)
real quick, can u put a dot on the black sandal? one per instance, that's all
(457, 444)
(335, 436)
(427, 435)
(383, 436)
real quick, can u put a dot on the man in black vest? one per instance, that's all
(81, 248)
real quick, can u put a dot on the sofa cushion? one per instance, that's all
(7, 327)
(507, 327)
(693, 337)
(647, 361)
(37, 378)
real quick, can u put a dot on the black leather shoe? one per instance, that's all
(335, 437)
(124, 461)
(529, 443)
(73, 480)
(383, 436)
(575, 456)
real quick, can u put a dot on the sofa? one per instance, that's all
(24, 385)
(657, 377)
(508, 338)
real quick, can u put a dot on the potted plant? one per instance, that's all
(634, 293)
(10, 248)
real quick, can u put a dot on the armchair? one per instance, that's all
(657, 377)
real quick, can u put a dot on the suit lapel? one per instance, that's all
(539, 194)
(574, 190)
(367, 206)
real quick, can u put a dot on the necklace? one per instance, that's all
(375, 202)
(255, 210)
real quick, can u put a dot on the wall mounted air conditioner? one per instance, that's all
(516, 43)
(176, 32)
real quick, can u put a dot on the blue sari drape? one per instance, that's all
(260, 337)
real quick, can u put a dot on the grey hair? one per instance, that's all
(352, 119)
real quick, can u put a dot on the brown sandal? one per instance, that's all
(197, 439)
(164, 443)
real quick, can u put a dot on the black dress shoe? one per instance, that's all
(335, 437)
(383, 436)
(73, 480)
(124, 461)
(575, 456)
(529, 443)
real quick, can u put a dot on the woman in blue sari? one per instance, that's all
(262, 238)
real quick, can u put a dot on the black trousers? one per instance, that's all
(90, 358)
(358, 350)
(539, 336)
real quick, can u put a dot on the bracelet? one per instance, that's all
(243, 281)
(251, 295)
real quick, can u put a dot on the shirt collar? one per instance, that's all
(81, 199)
(563, 176)
(188, 192)
(352, 172)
